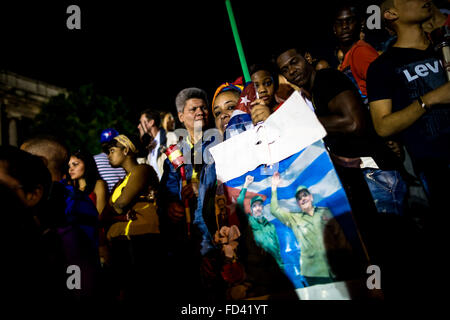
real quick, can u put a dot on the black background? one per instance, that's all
(148, 51)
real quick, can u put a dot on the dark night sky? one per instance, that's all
(148, 52)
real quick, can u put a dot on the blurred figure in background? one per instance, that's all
(32, 252)
(439, 18)
(387, 187)
(64, 217)
(107, 173)
(80, 211)
(168, 122)
(357, 54)
(154, 139)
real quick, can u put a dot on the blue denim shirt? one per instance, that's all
(171, 182)
(171, 185)
(207, 185)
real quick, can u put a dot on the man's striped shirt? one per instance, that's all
(109, 174)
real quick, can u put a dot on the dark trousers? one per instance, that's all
(138, 268)
(404, 253)
(184, 262)
(435, 178)
(361, 202)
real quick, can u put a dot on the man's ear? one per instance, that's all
(181, 117)
(32, 198)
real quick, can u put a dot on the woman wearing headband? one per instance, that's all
(213, 218)
(224, 102)
(131, 222)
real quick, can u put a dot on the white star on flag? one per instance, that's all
(244, 100)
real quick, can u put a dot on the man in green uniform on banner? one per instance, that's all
(316, 230)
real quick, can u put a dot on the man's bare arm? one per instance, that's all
(347, 114)
(387, 123)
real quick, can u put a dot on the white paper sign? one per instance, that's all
(293, 127)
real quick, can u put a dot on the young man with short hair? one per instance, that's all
(358, 54)
(410, 98)
(387, 186)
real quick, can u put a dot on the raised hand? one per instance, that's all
(276, 180)
(260, 111)
(141, 130)
(248, 180)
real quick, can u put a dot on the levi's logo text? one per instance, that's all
(421, 70)
(421, 77)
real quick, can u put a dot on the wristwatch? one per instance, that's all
(422, 104)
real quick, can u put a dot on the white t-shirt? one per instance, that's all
(153, 156)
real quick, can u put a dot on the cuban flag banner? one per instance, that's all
(240, 118)
(279, 178)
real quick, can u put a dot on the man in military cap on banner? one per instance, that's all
(264, 231)
(316, 230)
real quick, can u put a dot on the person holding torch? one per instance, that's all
(179, 191)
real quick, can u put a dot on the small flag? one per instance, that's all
(241, 119)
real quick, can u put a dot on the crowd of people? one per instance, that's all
(138, 227)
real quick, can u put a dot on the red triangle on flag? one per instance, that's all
(248, 95)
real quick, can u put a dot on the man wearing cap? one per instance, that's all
(315, 229)
(109, 174)
(264, 232)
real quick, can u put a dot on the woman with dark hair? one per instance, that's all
(39, 243)
(85, 177)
